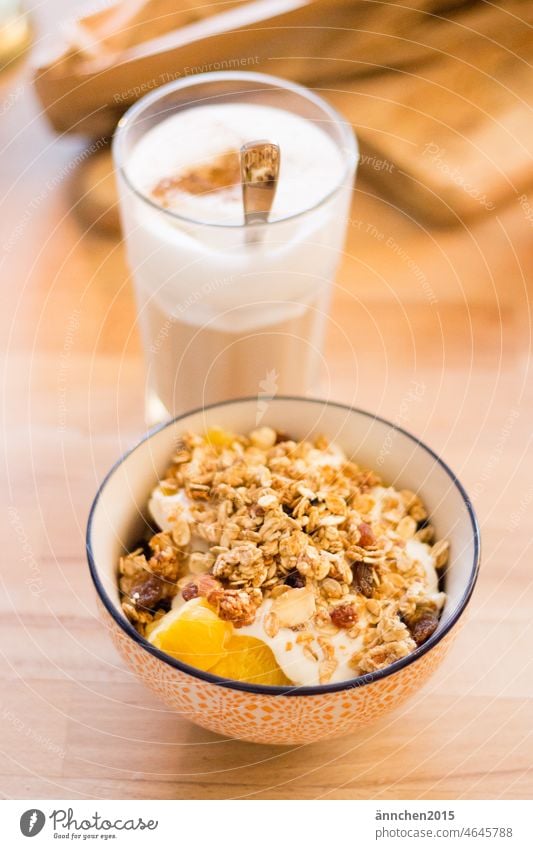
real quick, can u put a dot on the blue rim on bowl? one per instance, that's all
(265, 689)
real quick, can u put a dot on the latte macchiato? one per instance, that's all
(223, 315)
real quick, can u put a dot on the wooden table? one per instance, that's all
(445, 310)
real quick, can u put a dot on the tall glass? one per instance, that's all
(222, 314)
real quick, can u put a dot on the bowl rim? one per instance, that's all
(268, 689)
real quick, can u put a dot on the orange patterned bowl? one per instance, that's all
(266, 714)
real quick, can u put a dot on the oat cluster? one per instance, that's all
(266, 517)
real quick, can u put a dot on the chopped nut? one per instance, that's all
(206, 584)
(295, 606)
(242, 564)
(383, 655)
(233, 606)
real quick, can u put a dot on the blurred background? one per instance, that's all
(430, 327)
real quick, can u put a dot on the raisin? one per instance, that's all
(363, 580)
(422, 628)
(189, 591)
(295, 580)
(366, 535)
(234, 606)
(148, 593)
(343, 616)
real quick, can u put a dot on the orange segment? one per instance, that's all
(197, 637)
(251, 660)
(219, 438)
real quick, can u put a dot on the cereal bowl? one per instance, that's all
(283, 714)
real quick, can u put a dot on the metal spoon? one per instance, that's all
(259, 178)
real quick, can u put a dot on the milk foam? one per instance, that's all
(311, 165)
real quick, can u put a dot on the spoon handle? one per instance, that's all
(259, 177)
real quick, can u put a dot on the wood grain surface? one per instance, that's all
(439, 92)
(448, 310)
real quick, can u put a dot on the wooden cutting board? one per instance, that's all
(439, 96)
(452, 138)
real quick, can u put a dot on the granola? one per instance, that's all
(292, 544)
